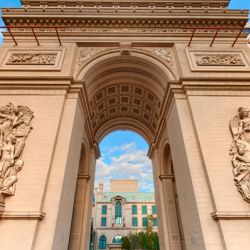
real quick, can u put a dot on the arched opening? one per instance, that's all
(102, 243)
(125, 92)
(117, 239)
(124, 164)
(167, 161)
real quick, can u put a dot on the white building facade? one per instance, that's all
(121, 211)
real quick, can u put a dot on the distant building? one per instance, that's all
(119, 212)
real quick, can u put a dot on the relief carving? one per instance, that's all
(47, 59)
(240, 150)
(14, 128)
(220, 60)
(87, 53)
(162, 53)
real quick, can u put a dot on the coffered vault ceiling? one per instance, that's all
(126, 91)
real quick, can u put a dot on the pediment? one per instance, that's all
(118, 197)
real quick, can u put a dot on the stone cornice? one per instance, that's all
(23, 215)
(166, 176)
(195, 3)
(230, 215)
(114, 10)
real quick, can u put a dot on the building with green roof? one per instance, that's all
(119, 212)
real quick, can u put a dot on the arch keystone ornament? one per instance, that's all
(240, 150)
(15, 126)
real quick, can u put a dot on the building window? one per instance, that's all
(102, 244)
(155, 222)
(144, 222)
(153, 209)
(134, 209)
(118, 212)
(104, 209)
(103, 222)
(117, 239)
(134, 222)
(144, 209)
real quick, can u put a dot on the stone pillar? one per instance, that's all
(162, 218)
(200, 231)
(53, 231)
(170, 208)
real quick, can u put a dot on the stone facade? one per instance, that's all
(123, 227)
(124, 65)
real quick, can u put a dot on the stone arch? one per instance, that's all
(83, 163)
(125, 91)
(167, 164)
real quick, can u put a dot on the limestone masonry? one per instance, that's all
(95, 67)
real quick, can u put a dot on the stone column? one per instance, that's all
(163, 227)
(170, 208)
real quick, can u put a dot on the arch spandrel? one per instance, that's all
(126, 91)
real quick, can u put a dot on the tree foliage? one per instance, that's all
(147, 239)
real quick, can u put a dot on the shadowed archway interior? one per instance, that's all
(126, 92)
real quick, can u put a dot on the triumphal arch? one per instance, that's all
(73, 71)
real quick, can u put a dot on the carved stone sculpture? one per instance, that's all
(87, 53)
(220, 60)
(46, 59)
(162, 53)
(14, 129)
(240, 149)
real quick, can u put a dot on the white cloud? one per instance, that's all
(131, 164)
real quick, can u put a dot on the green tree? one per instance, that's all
(126, 244)
(147, 239)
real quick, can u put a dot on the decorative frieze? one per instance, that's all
(32, 59)
(29, 58)
(240, 151)
(218, 60)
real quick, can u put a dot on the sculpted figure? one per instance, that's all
(14, 129)
(240, 127)
(7, 155)
(10, 178)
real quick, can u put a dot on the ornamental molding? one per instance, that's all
(240, 151)
(127, 8)
(23, 215)
(97, 28)
(15, 126)
(162, 53)
(230, 215)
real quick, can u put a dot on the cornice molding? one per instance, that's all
(23, 215)
(166, 176)
(230, 215)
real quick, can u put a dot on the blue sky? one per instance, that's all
(124, 153)
(124, 156)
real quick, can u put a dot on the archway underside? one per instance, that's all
(125, 93)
